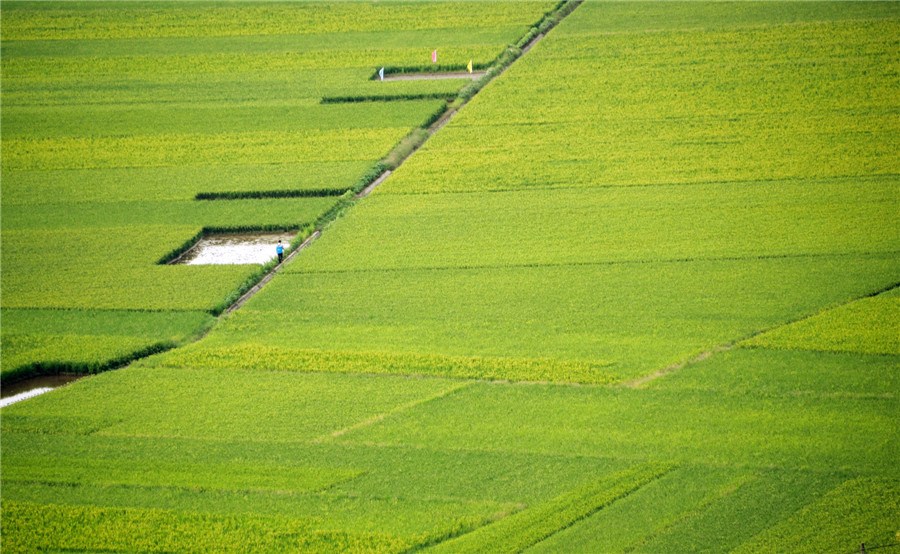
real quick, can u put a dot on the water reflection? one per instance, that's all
(23, 390)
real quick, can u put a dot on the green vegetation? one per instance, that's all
(411, 320)
(521, 530)
(638, 295)
(867, 326)
(118, 118)
(789, 373)
(865, 508)
(87, 341)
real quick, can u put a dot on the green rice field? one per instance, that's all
(640, 294)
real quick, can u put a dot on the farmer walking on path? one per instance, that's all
(280, 250)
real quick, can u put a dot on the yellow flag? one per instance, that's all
(470, 66)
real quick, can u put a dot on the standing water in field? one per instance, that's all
(235, 249)
(28, 388)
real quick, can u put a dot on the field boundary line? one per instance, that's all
(724, 183)
(633, 489)
(599, 263)
(641, 381)
(732, 487)
(402, 408)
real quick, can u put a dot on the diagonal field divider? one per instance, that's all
(409, 146)
(523, 529)
(402, 408)
(641, 381)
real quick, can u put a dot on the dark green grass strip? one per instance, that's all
(528, 527)
(430, 68)
(256, 194)
(386, 97)
(38, 369)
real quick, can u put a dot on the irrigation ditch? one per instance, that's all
(304, 236)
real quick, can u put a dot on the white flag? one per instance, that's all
(381, 74)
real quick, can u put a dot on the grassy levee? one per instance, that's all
(443, 368)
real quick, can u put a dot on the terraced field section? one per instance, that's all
(117, 117)
(639, 295)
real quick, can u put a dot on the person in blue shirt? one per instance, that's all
(280, 250)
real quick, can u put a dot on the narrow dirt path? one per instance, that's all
(258, 286)
(435, 127)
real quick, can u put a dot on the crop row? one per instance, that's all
(768, 371)
(148, 119)
(213, 88)
(95, 278)
(26, 22)
(212, 477)
(248, 213)
(636, 19)
(23, 189)
(448, 478)
(28, 526)
(680, 426)
(281, 358)
(262, 147)
(598, 225)
(25, 68)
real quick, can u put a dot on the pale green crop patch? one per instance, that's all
(198, 149)
(859, 511)
(867, 326)
(614, 224)
(52, 527)
(792, 372)
(804, 433)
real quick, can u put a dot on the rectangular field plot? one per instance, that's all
(366, 471)
(84, 341)
(691, 509)
(575, 323)
(231, 405)
(692, 105)
(109, 268)
(859, 511)
(30, 190)
(827, 434)
(572, 226)
(778, 372)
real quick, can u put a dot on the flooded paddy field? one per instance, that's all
(235, 249)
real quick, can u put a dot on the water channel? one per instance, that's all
(23, 390)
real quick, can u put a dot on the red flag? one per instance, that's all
(434, 57)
